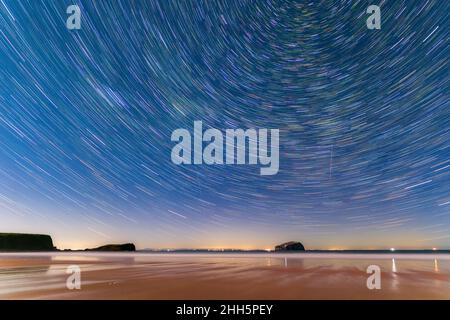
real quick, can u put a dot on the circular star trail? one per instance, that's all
(86, 118)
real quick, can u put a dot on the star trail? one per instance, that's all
(86, 118)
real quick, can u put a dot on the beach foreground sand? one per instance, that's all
(223, 276)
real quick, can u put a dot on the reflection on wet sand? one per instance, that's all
(223, 276)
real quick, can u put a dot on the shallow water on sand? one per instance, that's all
(223, 276)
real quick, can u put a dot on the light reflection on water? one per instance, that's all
(43, 275)
(394, 267)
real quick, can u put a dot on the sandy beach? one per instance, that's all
(223, 276)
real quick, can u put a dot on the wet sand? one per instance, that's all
(223, 276)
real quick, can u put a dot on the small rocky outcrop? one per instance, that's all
(290, 246)
(115, 247)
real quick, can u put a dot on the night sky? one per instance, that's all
(86, 118)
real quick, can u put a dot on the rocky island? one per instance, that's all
(115, 247)
(290, 246)
(25, 242)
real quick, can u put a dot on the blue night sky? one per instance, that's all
(364, 115)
